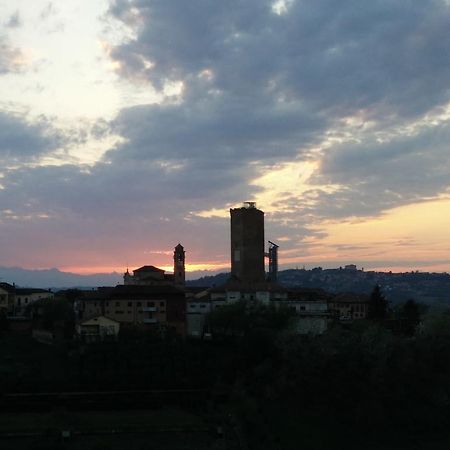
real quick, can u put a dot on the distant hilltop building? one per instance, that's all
(151, 275)
(351, 267)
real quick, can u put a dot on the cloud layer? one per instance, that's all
(361, 88)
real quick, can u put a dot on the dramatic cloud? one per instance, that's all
(261, 86)
(375, 176)
(359, 89)
(81, 212)
(330, 56)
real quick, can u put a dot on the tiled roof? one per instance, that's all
(29, 291)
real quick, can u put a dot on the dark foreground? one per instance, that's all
(258, 386)
(165, 428)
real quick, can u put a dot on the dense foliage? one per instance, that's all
(352, 387)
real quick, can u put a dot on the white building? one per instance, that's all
(198, 307)
(25, 296)
(311, 306)
(97, 329)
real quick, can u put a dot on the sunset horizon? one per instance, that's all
(127, 127)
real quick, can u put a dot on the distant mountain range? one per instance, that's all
(55, 279)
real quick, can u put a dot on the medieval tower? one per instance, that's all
(179, 264)
(247, 243)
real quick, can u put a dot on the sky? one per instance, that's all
(127, 126)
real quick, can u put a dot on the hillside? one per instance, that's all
(421, 286)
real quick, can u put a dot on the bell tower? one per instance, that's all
(178, 264)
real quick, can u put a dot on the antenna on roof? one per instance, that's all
(273, 261)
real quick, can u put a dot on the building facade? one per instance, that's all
(349, 306)
(27, 296)
(151, 306)
(14, 301)
(98, 329)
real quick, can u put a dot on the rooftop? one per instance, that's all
(148, 269)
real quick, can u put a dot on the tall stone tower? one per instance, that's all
(178, 264)
(247, 243)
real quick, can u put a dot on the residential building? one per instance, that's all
(146, 306)
(98, 329)
(349, 306)
(17, 299)
(311, 307)
(27, 296)
(234, 291)
(7, 294)
(198, 308)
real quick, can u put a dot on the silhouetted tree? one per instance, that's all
(410, 311)
(410, 316)
(70, 294)
(242, 318)
(52, 313)
(377, 305)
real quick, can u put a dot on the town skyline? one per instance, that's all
(129, 126)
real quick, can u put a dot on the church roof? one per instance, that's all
(148, 269)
